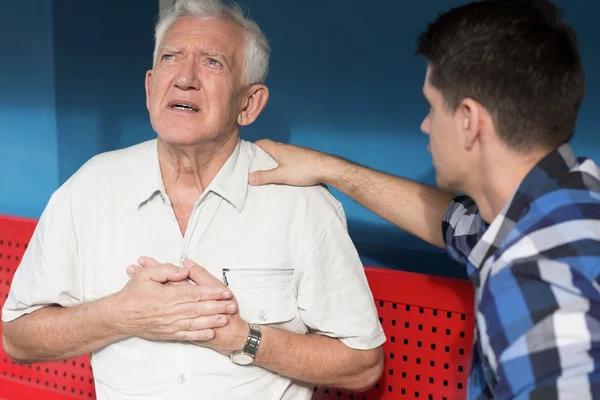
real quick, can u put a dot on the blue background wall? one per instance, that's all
(28, 140)
(343, 80)
(102, 51)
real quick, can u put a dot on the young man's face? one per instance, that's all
(445, 142)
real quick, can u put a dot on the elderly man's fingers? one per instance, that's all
(203, 309)
(133, 269)
(158, 272)
(194, 336)
(164, 273)
(147, 262)
(194, 293)
(200, 275)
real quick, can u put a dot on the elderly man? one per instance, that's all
(282, 302)
(504, 85)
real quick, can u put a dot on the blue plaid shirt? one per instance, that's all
(536, 275)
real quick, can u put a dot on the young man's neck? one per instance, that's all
(500, 176)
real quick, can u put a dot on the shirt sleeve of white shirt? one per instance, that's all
(334, 297)
(48, 273)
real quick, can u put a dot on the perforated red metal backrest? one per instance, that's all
(50, 380)
(428, 322)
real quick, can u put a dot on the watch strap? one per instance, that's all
(253, 340)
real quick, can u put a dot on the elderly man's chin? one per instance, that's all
(184, 137)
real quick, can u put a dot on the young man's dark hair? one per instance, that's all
(518, 59)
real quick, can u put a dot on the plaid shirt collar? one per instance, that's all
(545, 177)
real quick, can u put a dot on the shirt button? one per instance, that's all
(262, 317)
(181, 379)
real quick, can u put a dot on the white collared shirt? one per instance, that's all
(290, 263)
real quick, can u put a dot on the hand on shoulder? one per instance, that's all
(298, 166)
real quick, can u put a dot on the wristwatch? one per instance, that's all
(247, 354)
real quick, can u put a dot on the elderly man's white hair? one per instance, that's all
(257, 51)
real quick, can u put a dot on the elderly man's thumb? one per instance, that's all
(187, 263)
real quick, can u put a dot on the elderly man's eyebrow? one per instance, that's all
(207, 52)
(170, 49)
(212, 53)
(216, 55)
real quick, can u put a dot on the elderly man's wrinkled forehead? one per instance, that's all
(209, 36)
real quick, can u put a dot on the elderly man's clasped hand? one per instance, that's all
(166, 302)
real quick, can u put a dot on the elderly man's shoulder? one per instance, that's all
(312, 196)
(117, 163)
(110, 169)
(120, 160)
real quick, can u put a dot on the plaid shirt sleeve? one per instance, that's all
(462, 227)
(541, 329)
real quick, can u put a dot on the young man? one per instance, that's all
(504, 83)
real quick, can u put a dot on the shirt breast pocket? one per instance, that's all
(264, 294)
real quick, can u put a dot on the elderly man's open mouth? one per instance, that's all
(183, 105)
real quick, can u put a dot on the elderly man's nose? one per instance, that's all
(187, 78)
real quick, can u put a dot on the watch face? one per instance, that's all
(242, 359)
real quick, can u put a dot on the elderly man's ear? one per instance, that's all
(255, 101)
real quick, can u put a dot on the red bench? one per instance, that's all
(428, 323)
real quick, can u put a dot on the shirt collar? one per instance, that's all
(231, 182)
(545, 177)
(149, 182)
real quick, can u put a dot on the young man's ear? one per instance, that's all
(468, 116)
(255, 101)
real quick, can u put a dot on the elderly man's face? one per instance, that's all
(195, 93)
